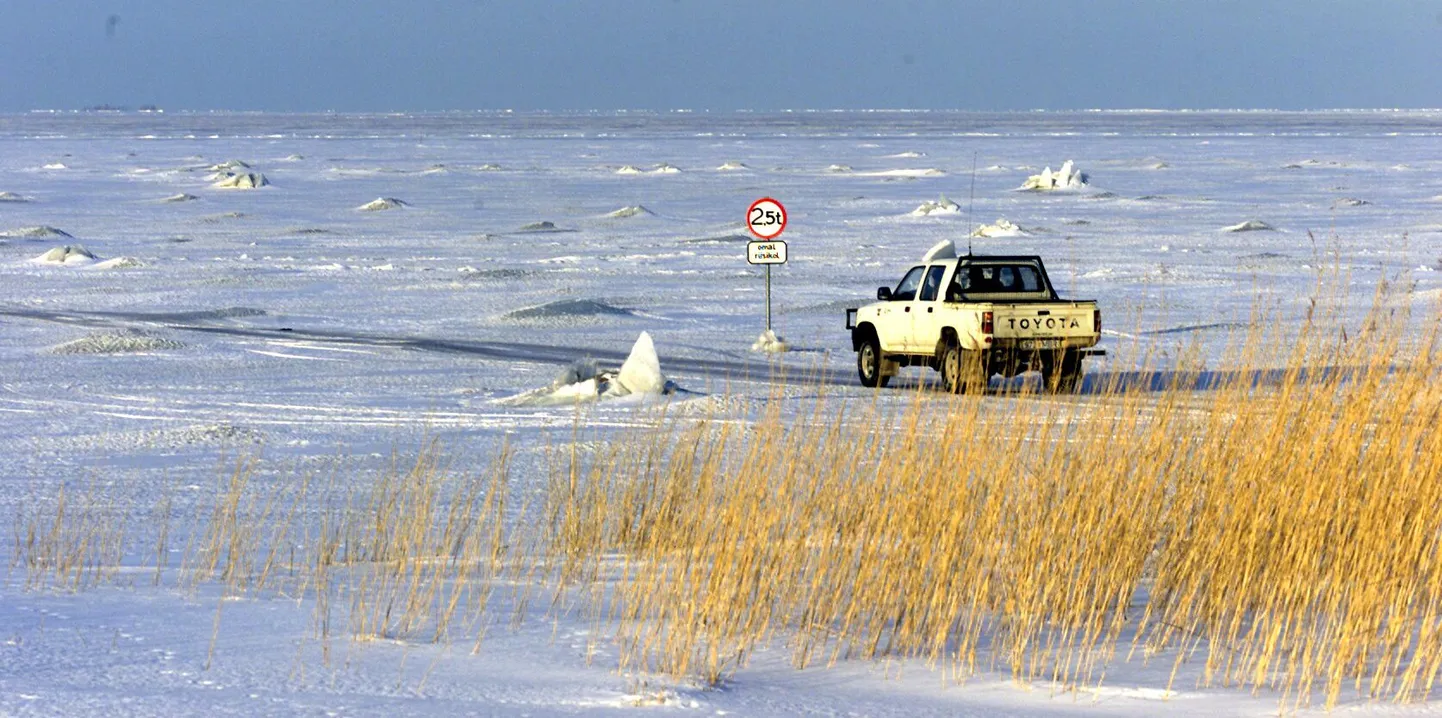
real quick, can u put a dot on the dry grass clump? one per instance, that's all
(71, 542)
(1282, 529)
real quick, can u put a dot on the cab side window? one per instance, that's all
(906, 290)
(931, 284)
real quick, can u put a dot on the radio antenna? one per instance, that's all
(970, 203)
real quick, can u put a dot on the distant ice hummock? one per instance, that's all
(1000, 228)
(182, 197)
(70, 254)
(1064, 179)
(12, 197)
(634, 210)
(245, 180)
(1251, 225)
(381, 204)
(942, 206)
(732, 167)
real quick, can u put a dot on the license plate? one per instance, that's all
(1041, 344)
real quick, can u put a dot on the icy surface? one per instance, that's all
(310, 330)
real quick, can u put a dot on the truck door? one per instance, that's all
(925, 311)
(894, 324)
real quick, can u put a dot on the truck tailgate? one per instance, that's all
(1047, 325)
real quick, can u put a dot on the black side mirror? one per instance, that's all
(883, 293)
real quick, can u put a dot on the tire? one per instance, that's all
(1062, 374)
(962, 371)
(868, 363)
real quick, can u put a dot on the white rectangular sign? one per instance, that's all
(768, 252)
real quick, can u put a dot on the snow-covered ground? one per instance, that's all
(281, 321)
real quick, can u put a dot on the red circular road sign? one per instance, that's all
(766, 218)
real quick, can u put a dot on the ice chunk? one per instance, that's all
(629, 170)
(641, 372)
(1066, 178)
(769, 343)
(945, 249)
(182, 197)
(732, 167)
(839, 168)
(12, 197)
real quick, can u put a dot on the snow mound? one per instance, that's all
(1251, 225)
(733, 167)
(41, 232)
(1350, 202)
(543, 227)
(665, 169)
(839, 168)
(489, 167)
(906, 173)
(583, 381)
(908, 155)
(54, 166)
(380, 204)
(293, 158)
(569, 308)
(247, 180)
(120, 263)
(1159, 166)
(12, 197)
(942, 206)
(629, 170)
(182, 197)
(116, 343)
(68, 254)
(1000, 228)
(634, 210)
(1067, 178)
(769, 343)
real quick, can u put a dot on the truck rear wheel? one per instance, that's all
(868, 363)
(1061, 372)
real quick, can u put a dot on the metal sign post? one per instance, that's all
(766, 218)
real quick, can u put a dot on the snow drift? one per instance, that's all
(116, 343)
(1067, 178)
(568, 308)
(639, 378)
(182, 197)
(12, 197)
(40, 232)
(733, 167)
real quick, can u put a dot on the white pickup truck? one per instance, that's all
(971, 317)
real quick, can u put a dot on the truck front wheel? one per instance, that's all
(868, 363)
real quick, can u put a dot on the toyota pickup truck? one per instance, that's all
(973, 316)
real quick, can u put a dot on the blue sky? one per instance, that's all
(367, 55)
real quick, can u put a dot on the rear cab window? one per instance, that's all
(1000, 281)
